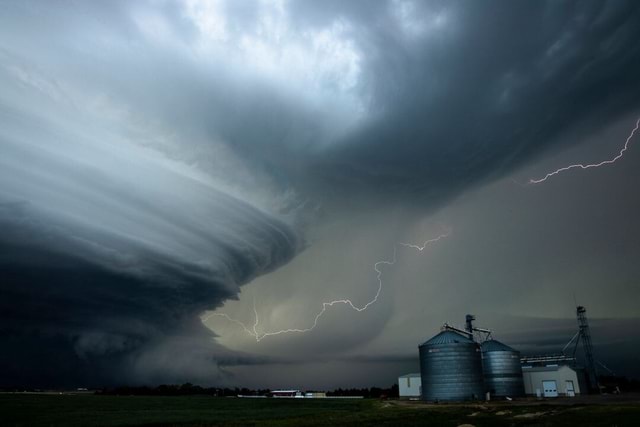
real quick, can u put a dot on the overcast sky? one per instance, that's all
(162, 161)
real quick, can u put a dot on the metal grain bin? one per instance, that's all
(451, 368)
(502, 369)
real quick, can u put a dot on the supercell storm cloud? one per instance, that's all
(155, 156)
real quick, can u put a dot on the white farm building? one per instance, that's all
(551, 381)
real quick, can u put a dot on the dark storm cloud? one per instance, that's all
(452, 93)
(154, 157)
(483, 88)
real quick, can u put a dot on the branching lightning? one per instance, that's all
(259, 336)
(592, 165)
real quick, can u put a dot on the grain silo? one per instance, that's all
(502, 369)
(451, 367)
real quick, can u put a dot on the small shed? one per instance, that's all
(410, 386)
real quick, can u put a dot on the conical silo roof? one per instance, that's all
(447, 337)
(495, 345)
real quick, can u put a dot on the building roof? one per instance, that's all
(494, 345)
(448, 337)
(409, 376)
(551, 368)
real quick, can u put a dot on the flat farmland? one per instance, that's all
(94, 410)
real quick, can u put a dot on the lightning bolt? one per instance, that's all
(259, 336)
(593, 165)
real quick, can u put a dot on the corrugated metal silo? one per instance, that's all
(451, 368)
(502, 369)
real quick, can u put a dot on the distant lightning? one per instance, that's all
(593, 165)
(259, 336)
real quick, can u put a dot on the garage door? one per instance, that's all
(550, 389)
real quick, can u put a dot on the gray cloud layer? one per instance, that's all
(154, 157)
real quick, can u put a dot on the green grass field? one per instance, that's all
(90, 410)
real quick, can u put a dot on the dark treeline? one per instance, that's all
(189, 389)
(374, 392)
(186, 389)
